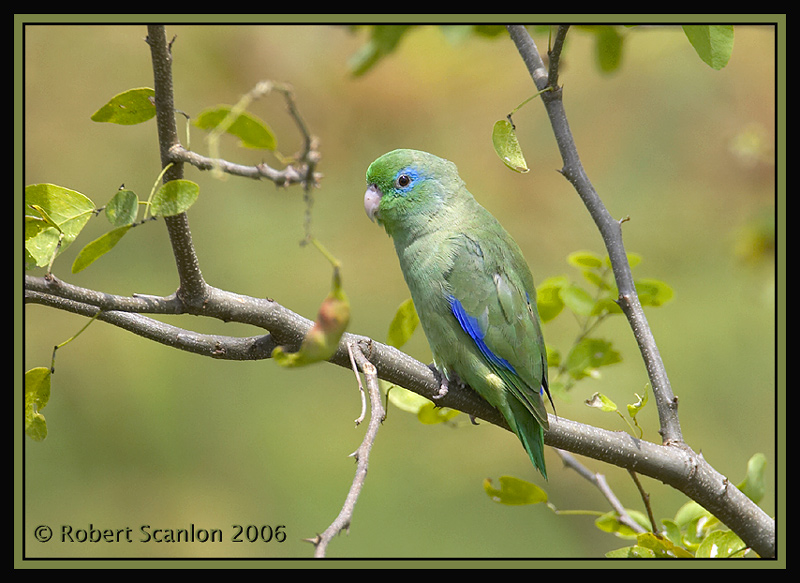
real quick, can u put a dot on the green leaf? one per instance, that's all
(633, 409)
(548, 297)
(404, 399)
(754, 484)
(721, 544)
(606, 304)
(122, 208)
(430, 414)
(97, 248)
(251, 130)
(690, 512)
(653, 292)
(585, 260)
(403, 324)
(661, 547)
(514, 492)
(634, 552)
(713, 43)
(695, 523)
(600, 401)
(672, 531)
(174, 197)
(384, 39)
(610, 523)
(53, 214)
(596, 280)
(609, 48)
(588, 355)
(426, 411)
(128, 108)
(45, 217)
(506, 145)
(37, 394)
(34, 225)
(578, 300)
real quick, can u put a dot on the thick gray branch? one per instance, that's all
(674, 464)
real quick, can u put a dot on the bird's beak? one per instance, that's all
(372, 199)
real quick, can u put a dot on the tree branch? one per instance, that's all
(221, 347)
(301, 172)
(192, 288)
(610, 230)
(361, 455)
(685, 470)
(286, 177)
(599, 481)
(675, 465)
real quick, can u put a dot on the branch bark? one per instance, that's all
(687, 471)
(361, 455)
(673, 464)
(192, 288)
(609, 227)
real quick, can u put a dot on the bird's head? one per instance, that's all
(407, 187)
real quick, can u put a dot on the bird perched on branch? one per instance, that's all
(471, 287)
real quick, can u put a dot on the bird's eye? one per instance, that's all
(403, 180)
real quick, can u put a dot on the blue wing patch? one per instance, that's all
(477, 332)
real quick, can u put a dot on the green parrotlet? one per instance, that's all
(471, 286)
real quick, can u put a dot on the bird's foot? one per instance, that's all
(444, 387)
(444, 383)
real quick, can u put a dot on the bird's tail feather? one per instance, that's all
(530, 433)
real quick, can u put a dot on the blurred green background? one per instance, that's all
(143, 434)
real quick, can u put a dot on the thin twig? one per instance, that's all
(361, 392)
(285, 177)
(599, 481)
(554, 55)
(646, 499)
(377, 414)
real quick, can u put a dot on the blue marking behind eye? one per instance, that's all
(412, 174)
(472, 327)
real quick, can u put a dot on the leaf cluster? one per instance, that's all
(712, 42)
(692, 532)
(590, 302)
(55, 216)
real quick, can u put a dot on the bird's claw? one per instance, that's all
(444, 384)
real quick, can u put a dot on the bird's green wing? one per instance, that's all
(493, 298)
